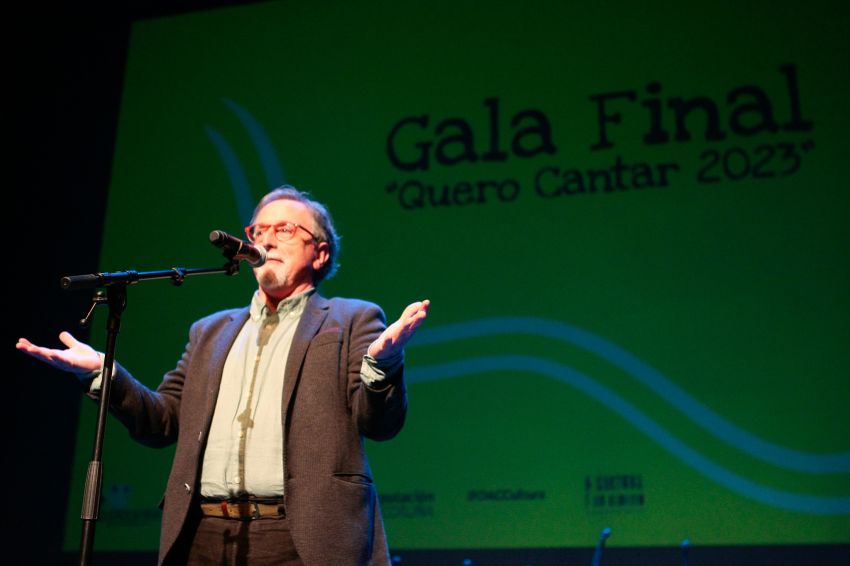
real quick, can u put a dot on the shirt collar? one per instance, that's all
(291, 305)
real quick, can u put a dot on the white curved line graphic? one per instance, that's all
(812, 504)
(682, 401)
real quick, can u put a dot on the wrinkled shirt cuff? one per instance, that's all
(375, 372)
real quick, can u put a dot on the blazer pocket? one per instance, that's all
(332, 336)
(360, 479)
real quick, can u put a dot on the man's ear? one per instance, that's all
(323, 255)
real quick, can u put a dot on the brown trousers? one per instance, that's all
(230, 542)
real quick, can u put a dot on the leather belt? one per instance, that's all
(241, 510)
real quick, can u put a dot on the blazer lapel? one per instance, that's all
(315, 313)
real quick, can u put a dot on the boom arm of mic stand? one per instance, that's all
(176, 274)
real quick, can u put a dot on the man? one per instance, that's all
(269, 406)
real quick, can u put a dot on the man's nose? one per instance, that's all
(268, 239)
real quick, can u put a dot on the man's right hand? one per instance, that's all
(77, 358)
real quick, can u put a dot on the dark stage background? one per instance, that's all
(73, 70)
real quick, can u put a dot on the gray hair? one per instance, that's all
(323, 225)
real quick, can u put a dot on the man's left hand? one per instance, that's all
(391, 342)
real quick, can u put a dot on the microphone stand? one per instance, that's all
(116, 298)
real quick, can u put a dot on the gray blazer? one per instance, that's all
(331, 501)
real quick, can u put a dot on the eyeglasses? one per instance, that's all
(283, 231)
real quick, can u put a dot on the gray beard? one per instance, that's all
(271, 280)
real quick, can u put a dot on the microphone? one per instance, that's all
(237, 249)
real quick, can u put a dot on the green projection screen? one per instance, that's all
(632, 221)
